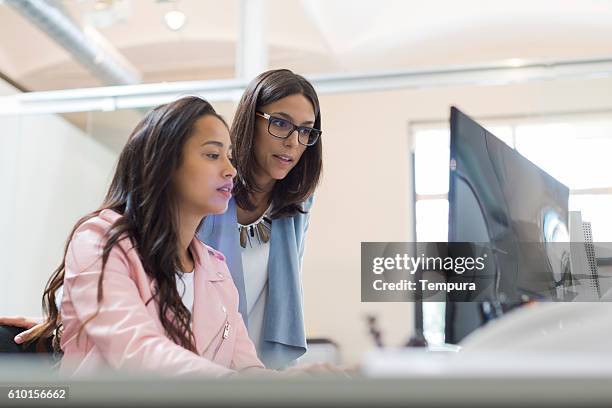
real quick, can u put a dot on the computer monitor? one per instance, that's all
(510, 209)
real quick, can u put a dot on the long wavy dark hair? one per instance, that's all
(289, 193)
(142, 192)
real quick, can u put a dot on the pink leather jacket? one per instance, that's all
(126, 333)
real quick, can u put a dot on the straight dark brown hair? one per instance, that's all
(142, 192)
(290, 192)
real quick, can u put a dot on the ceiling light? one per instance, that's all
(516, 62)
(102, 4)
(175, 19)
(106, 13)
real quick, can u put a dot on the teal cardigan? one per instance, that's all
(284, 338)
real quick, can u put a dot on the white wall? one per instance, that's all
(51, 173)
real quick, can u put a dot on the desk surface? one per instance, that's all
(475, 392)
(433, 389)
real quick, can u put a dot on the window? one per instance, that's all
(578, 154)
(576, 150)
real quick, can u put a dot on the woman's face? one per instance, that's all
(203, 181)
(276, 157)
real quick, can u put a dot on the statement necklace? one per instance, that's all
(260, 230)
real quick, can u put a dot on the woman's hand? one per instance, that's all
(23, 322)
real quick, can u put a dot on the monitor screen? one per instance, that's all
(502, 202)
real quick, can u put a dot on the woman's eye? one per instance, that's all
(213, 156)
(304, 131)
(279, 123)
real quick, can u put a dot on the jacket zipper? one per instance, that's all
(226, 329)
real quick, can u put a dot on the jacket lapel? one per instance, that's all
(209, 313)
(221, 233)
(284, 321)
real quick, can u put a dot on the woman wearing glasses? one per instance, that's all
(277, 152)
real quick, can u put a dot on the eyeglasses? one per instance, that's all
(282, 129)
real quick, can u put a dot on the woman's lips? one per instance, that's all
(225, 191)
(283, 159)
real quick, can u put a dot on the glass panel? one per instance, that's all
(595, 209)
(432, 220)
(432, 225)
(434, 314)
(432, 153)
(577, 154)
(431, 161)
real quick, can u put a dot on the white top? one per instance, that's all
(255, 268)
(184, 284)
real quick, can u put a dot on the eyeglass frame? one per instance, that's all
(295, 127)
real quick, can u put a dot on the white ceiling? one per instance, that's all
(316, 37)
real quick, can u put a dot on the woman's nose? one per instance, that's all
(230, 170)
(292, 139)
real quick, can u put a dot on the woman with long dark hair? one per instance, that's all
(277, 150)
(139, 290)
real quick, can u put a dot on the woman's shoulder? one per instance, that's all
(293, 211)
(87, 242)
(306, 206)
(96, 226)
(308, 203)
